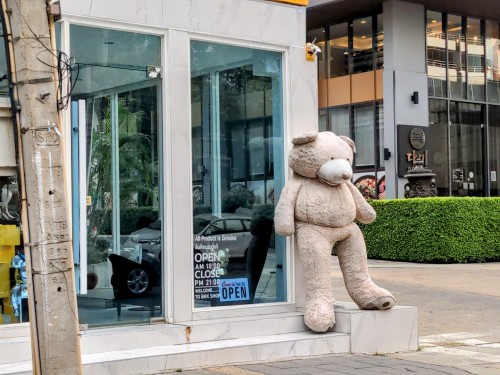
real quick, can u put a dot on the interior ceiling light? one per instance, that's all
(433, 21)
(363, 22)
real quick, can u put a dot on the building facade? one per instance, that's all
(393, 71)
(177, 118)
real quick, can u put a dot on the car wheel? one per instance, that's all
(138, 281)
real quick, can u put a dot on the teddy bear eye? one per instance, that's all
(332, 158)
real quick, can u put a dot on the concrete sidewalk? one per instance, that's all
(459, 324)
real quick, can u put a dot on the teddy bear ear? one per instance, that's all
(305, 137)
(349, 141)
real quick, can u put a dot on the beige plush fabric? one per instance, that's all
(319, 205)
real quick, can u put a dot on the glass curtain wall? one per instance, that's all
(118, 111)
(436, 55)
(238, 173)
(493, 61)
(475, 61)
(456, 57)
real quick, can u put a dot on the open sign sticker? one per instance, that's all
(234, 290)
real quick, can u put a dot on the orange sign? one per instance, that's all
(294, 2)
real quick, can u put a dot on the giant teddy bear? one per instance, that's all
(319, 205)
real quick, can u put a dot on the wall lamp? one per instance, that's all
(414, 97)
(387, 154)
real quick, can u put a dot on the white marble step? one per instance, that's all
(221, 352)
(15, 346)
(150, 348)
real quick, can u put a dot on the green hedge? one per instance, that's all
(435, 230)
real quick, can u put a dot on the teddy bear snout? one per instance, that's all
(335, 171)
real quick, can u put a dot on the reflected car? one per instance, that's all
(230, 231)
(134, 277)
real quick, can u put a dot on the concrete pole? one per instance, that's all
(53, 309)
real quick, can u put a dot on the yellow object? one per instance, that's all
(294, 2)
(10, 235)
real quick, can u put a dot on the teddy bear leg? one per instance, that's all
(315, 253)
(353, 263)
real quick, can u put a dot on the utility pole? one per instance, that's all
(53, 310)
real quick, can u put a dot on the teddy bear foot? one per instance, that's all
(319, 318)
(381, 303)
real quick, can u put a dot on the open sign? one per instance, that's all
(234, 290)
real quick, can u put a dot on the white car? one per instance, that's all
(229, 232)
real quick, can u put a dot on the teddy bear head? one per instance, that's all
(322, 155)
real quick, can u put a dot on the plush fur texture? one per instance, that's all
(319, 205)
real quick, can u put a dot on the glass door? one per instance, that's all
(117, 152)
(467, 149)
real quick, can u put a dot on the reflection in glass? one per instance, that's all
(362, 45)
(475, 61)
(436, 55)
(123, 172)
(437, 144)
(493, 61)
(466, 149)
(456, 57)
(238, 170)
(338, 47)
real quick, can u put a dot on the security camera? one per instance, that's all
(313, 48)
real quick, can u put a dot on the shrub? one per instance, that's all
(440, 230)
(130, 219)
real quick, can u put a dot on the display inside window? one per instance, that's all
(238, 171)
(13, 283)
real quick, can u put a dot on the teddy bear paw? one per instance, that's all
(320, 317)
(381, 303)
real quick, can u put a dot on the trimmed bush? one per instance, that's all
(435, 230)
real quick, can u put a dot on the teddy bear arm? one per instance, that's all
(284, 215)
(364, 212)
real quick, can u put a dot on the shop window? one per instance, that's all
(13, 282)
(364, 134)
(338, 49)
(466, 149)
(237, 138)
(362, 45)
(437, 144)
(116, 166)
